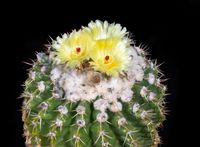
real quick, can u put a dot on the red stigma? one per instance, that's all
(107, 58)
(78, 49)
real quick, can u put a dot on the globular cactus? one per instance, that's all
(94, 88)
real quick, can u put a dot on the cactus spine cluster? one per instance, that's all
(93, 88)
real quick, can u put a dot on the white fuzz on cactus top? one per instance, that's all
(81, 85)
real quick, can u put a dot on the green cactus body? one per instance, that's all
(77, 106)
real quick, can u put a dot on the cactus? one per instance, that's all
(93, 87)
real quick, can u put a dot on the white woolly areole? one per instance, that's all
(158, 82)
(59, 123)
(102, 117)
(144, 114)
(122, 121)
(43, 69)
(44, 106)
(151, 78)
(80, 123)
(32, 75)
(80, 110)
(136, 107)
(116, 107)
(56, 73)
(63, 110)
(139, 50)
(143, 91)
(73, 97)
(105, 144)
(127, 95)
(101, 104)
(40, 56)
(51, 135)
(41, 86)
(55, 95)
(152, 96)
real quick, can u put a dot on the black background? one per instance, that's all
(163, 27)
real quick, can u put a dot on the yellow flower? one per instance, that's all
(107, 45)
(103, 30)
(109, 56)
(110, 52)
(73, 48)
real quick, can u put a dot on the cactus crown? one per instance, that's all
(93, 87)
